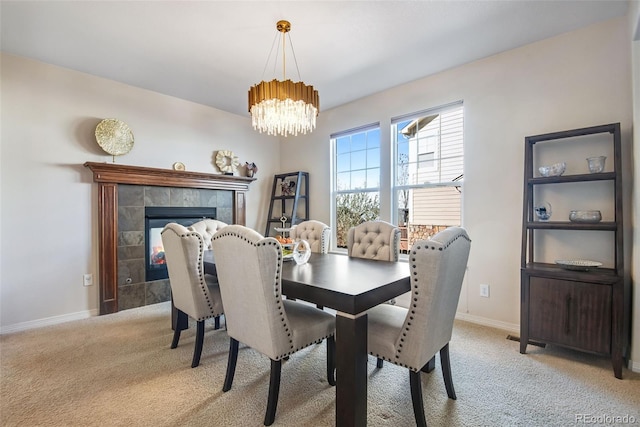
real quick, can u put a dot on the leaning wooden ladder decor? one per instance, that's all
(289, 203)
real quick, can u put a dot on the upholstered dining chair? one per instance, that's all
(193, 293)
(207, 228)
(412, 337)
(317, 233)
(377, 240)
(256, 315)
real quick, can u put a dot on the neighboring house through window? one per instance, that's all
(429, 160)
(427, 175)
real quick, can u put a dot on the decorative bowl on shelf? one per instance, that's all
(578, 264)
(596, 163)
(543, 211)
(589, 217)
(555, 169)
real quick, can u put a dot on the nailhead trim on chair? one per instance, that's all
(203, 283)
(415, 300)
(282, 356)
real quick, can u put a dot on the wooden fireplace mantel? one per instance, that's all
(109, 175)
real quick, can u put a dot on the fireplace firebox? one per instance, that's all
(155, 218)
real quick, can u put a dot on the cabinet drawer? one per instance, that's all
(575, 314)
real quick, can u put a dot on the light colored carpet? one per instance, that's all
(118, 370)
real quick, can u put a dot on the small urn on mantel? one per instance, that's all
(252, 169)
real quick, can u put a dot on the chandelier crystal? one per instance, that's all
(283, 107)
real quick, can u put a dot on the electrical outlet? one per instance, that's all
(484, 290)
(87, 279)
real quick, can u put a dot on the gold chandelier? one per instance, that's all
(283, 107)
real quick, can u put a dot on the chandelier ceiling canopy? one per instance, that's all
(283, 107)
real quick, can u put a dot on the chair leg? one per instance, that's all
(416, 398)
(430, 366)
(176, 338)
(331, 360)
(274, 390)
(197, 351)
(379, 363)
(216, 324)
(446, 371)
(231, 364)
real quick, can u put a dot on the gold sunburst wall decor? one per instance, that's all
(114, 137)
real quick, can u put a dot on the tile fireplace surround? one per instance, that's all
(123, 193)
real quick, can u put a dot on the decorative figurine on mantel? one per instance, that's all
(252, 169)
(227, 162)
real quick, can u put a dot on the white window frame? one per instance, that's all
(335, 192)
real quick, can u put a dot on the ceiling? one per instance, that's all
(211, 52)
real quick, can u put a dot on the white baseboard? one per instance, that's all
(48, 321)
(510, 327)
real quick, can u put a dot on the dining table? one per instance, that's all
(350, 286)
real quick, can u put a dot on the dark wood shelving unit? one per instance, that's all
(584, 310)
(294, 206)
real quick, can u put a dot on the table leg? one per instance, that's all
(351, 370)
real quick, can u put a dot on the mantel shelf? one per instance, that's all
(138, 175)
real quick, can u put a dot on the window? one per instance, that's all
(356, 180)
(429, 160)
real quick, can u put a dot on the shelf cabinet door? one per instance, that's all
(574, 314)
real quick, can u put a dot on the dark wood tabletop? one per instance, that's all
(348, 285)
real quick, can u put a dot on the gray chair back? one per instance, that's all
(378, 240)
(248, 267)
(184, 252)
(317, 233)
(437, 267)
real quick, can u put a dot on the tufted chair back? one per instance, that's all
(207, 228)
(378, 240)
(184, 251)
(317, 233)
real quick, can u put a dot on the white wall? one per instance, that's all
(634, 26)
(49, 203)
(570, 81)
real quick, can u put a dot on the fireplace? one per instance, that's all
(123, 193)
(155, 218)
